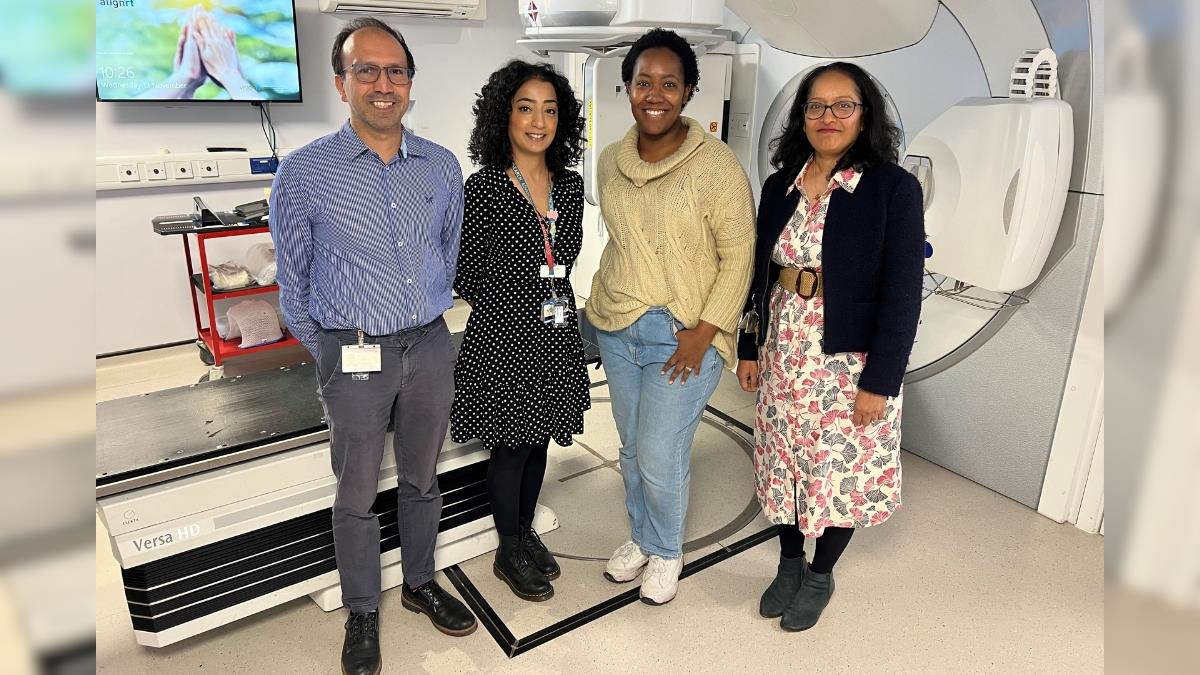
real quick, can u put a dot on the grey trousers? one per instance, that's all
(414, 389)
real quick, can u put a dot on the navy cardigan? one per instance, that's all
(873, 262)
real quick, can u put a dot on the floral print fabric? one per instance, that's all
(813, 466)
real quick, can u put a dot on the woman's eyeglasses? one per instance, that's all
(841, 109)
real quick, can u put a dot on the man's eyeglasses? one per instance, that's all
(841, 109)
(366, 73)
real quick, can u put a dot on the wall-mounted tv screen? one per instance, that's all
(196, 50)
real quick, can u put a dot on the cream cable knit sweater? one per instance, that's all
(681, 235)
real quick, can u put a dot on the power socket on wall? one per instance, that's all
(177, 170)
(162, 170)
(206, 168)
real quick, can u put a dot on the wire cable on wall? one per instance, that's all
(268, 127)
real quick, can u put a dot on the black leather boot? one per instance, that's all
(783, 589)
(541, 556)
(514, 567)
(360, 652)
(814, 594)
(447, 612)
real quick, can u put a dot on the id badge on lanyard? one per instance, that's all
(554, 309)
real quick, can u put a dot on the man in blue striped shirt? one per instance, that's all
(366, 226)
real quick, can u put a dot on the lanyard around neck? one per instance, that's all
(551, 216)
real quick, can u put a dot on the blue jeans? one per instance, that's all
(656, 422)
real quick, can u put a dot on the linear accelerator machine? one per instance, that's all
(217, 496)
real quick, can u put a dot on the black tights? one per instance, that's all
(514, 482)
(830, 546)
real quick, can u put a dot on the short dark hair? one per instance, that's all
(878, 142)
(660, 37)
(339, 42)
(489, 145)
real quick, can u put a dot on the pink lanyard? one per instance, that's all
(545, 239)
(550, 213)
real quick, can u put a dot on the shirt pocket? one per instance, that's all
(431, 203)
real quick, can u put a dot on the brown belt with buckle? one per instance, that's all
(805, 282)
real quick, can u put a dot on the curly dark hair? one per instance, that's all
(879, 141)
(489, 145)
(339, 42)
(660, 37)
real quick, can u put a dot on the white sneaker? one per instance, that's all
(661, 580)
(626, 563)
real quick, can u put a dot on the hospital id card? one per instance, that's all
(554, 311)
(362, 359)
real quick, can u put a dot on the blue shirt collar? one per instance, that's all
(353, 147)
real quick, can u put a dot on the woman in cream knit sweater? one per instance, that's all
(667, 296)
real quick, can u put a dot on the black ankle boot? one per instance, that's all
(360, 652)
(514, 567)
(541, 556)
(805, 609)
(783, 589)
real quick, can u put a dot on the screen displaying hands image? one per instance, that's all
(242, 50)
(206, 49)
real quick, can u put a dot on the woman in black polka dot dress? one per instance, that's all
(520, 379)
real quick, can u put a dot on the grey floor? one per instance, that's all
(961, 580)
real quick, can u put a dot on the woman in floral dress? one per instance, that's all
(828, 330)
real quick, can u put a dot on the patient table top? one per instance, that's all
(148, 439)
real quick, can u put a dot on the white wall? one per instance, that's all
(141, 286)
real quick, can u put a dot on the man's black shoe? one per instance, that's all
(445, 611)
(360, 653)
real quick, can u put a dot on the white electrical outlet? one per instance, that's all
(179, 170)
(126, 172)
(206, 168)
(741, 125)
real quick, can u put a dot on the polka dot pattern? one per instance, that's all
(517, 380)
